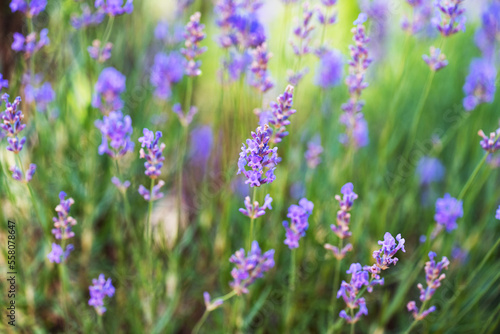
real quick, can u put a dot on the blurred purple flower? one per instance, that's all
(324, 15)
(313, 153)
(480, 84)
(184, 118)
(194, 35)
(296, 229)
(448, 17)
(145, 193)
(32, 9)
(37, 92)
(330, 69)
(87, 18)
(211, 305)
(258, 68)
(57, 255)
(29, 44)
(281, 110)
(250, 267)
(343, 215)
(4, 83)
(430, 170)
(488, 35)
(101, 54)
(254, 210)
(109, 87)
(448, 210)
(436, 60)
(497, 215)
(121, 186)
(166, 70)
(12, 125)
(115, 7)
(63, 222)
(420, 18)
(302, 32)
(17, 173)
(99, 289)
(154, 156)
(490, 144)
(116, 131)
(201, 145)
(378, 11)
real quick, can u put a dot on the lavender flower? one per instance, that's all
(254, 210)
(87, 18)
(356, 126)
(343, 216)
(339, 254)
(164, 33)
(101, 54)
(194, 35)
(109, 87)
(433, 278)
(258, 68)
(211, 305)
(154, 156)
(260, 157)
(248, 31)
(115, 7)
(4, 83)
(302, 32)
(330, 70)
(448, 17)
(490, 144)
(116, 131)
(184, 118)
(201, 145)
(37, 92)
(17, 174)
(295, 77)
(249, 268)
(236, 64)
(29, 44)
(488, 34)
(448, 210)
(421, 16)
(324, 17)
(296, 229)
(384, 257)
(379, 13)
(480, 85)
(121, 186)
(282, 110)
(99, 289)
(64, 221)
(497, 215)
(58, 255)
(166, 71)
(32, 9)
(430, 170)
(146, 194)
(224, 11)
(12, 125)
(313, 153)
(436, 60)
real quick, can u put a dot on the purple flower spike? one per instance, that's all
(487, 35)
(166, 71)
(448, 210)
(99, 289)
(249, 268)
(420, 18)
(490, 144)
(11, 124)
(385, 255)
(109, 87)
(330, 69)
(480, 84)
(313, 153)
(194, 35)
(64, 221)
(339, 254)
(282, 110)
(57, 255)
(87, 18)
(211, 305)
(254, 210)
(29, 44)
(116, 131)
(343, 215)
(154, 156)
(101, 54)
(4, 83)
(115, 7)
(324, 17)
(260, 78)
(260, 157)
(302, 32)
(121, 186)
(433, 278)
(296, 229)
(145, 193)
(17, 174)
(184, 118)
(430, 170)
(38, 92)
(436, 60)
(497, 216)
(448, 17)
(32, 9)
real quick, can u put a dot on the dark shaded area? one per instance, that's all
(9, 23)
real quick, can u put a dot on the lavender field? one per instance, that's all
(249, 166)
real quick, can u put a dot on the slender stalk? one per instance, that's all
(291, 290)
(422, 308)
(352, 323)
(125, 202)
(336, 279)
(107, 32)
(200, 322)
(150, 210)
(252, 220)
(472, 177)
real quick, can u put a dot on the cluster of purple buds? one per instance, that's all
(37, 92)
(99, 289)
(260, 157)
(166, 71)
(330, 68)
(249, 268)
(31, 9)
(324, 17)
(225, 10)
(448, 17)
(209, 304)
(356, 127)
(254, 210)
(29, 44)
(281, 111)
(295, 77)
(145, 193)
(436, 60)
(421, 16)
(110, 85)
(433, 279)
(302, 32)
(384, 256)
(258, 67)
(4, 83)
(116, 131)
(87, 18)
(63, 222)
(194, 35)
(313, 153)
(490, 144)
(11, 124)
(57, 254)
(184, 118)
(118, 184)
(17, 174)
(480, 84)
(448, 210)
(115, 7)
(349, 291)
(296, 229)
(101, 54)
(154, 156)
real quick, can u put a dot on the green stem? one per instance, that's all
(417, 319)
(150, 210)
(107, 32)
(336, 279)
(352, 323)
(472, 177)
(200, 322)
(252, 220)
(291, 290)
